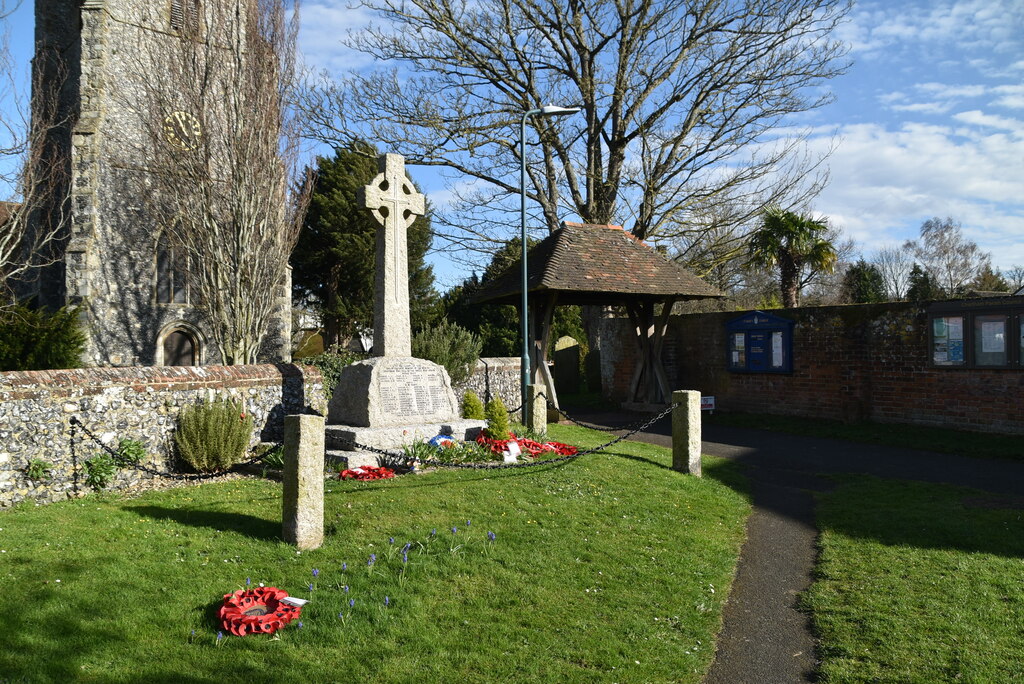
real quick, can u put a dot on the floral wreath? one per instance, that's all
(256, 611)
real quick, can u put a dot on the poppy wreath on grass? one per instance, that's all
(256, 611)
(366, 473)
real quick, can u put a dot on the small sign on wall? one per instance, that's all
(707, 403)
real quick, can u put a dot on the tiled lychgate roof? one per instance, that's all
(587, 263)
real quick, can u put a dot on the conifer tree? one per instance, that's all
(863, 283)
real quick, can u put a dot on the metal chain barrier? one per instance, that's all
(601, 428)
(397, 455)
(76, 425)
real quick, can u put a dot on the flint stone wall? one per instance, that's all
(494, 377)
(129, 403)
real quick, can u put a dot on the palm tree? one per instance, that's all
(790, 241)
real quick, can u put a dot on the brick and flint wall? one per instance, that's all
(850, 363)
(128, 403)
(142, 404)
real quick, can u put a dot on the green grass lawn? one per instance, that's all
(942, 440)
(610, 568)
(916, 583)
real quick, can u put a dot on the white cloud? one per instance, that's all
(1010, 96)
(924, 107)
(885, 183)
(324, 25)
(946, 96)
(979, 118)
(992, 25)
(951, 91)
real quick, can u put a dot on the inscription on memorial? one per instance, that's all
(408, 390)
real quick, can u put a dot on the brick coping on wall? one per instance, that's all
(85, 381)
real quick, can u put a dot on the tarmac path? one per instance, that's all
(765, 638)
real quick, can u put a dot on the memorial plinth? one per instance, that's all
(390, 401)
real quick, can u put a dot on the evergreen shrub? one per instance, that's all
(497, 419)
(449, 345)
(213, 435)
(33, 339)
(472, 407)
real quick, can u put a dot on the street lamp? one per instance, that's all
(549, 110)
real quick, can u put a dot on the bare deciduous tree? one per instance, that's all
(1015, 276)
(34, 215)
(222, 175)
(946, 255)
(684, 103)
(894, 264)
(715, 248)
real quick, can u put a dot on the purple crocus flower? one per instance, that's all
(491, 536)
(311, 586)
(468, 523)
(346, 588)
(344, 567)
(391, 540)
(248, 581)
(455, 530)
(315, 572)
(433, 532)
(373, 559)
(351, 603)
(220, 635)
(405, 557)
(387, 601)
(300, 624)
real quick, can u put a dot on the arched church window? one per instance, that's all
(171, 272)
(179, 349)
(185, 16)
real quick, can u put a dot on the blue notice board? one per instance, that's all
(760, 342)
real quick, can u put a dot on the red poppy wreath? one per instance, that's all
(256, 611)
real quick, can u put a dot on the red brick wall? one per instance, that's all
(861, 362)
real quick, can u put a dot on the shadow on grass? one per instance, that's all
(245, 525)
(922, 515)
(54, 635)
(901, 435)
(640, 459)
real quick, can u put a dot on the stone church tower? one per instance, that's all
(139, 309)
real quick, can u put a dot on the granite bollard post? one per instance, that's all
(536, 409)
(303, 507)
(686, 432)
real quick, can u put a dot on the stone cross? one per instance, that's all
(395, 204)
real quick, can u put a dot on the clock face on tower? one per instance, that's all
(182, 130)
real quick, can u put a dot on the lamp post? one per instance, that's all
(549, 110)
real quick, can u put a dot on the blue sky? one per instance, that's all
(929, 120)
